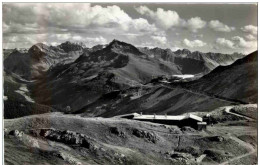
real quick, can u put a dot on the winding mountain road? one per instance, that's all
(242, 143)
(228, 108)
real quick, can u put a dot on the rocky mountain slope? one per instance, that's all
(237, 81)
(143, 61)
(39, 58)
(81, 82)
(225, 85)
(192, 62)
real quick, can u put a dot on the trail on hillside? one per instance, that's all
(242, 143)
(228, 108)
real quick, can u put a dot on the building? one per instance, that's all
(190, 120)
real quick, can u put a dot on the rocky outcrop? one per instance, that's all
(148, 136)
(185, 158)
(66, 137)
(70, 46)
(216, 139)
(67, 157)
(217, 155)
(181, 156)
(117, 132)
(16, 133)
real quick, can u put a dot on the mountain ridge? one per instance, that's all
(94, 72)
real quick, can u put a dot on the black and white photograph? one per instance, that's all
(130, 83)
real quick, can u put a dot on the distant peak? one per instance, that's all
(71, 46)
(183, 51)
(120, 46)
(115, 42)
(38, 47)
(67, 43)
(73, 43)
(197, 52)
(186, 50)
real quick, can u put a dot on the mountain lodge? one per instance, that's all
(190, 120)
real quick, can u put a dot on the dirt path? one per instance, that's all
(200, 158)
(228, 108)
(242, 143)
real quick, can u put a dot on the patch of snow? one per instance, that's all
(184, 76)
(22, 91)
(23, 88)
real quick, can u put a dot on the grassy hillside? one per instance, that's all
(159, 100)
(120, 141)
(237, 81)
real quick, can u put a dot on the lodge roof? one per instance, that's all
(167, 117)
(137, 116)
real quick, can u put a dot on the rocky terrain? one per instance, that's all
(68, 139)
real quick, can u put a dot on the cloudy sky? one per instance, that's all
(224, 28)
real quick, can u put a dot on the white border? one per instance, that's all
(113, 1)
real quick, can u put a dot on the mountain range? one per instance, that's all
(89, 80)
(118, 55)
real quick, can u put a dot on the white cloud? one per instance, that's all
(63, 37)
(77, 38)
(95, 40)
(175, 48)
(195, 23)
(194, 43)
(250, 37)
(167, 19)
(250, 29)
(29, 38)
(160, 33)
(132, 36)
(237, 43)
(163, 18)
(61, 15)
(23, 41)
(59, 20)
(225, 43)
(142, 24)
(219, 26)
(54, 43)
(160, 39)
(242, 43)
(147, 44)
